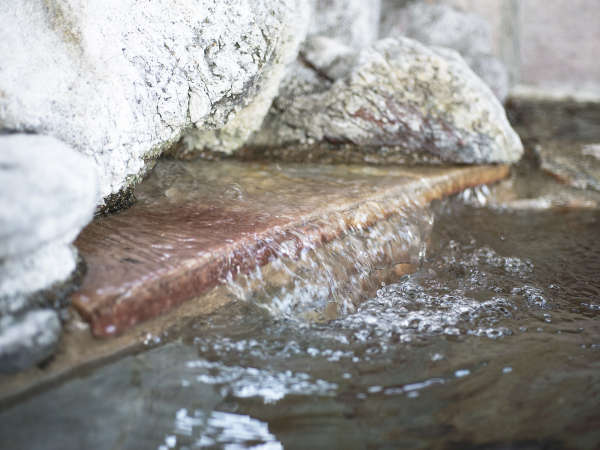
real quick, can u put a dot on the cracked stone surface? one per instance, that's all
(445, 26)
(120, 82)
(398, 95)
(48, 196)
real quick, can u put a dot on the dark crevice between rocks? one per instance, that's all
(116, 202)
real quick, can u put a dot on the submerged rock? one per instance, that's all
(48, 196)
(122, 82)
(574, 163)
(445, 26)
(397, 95)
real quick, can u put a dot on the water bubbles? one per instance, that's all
(304, 281)
(247, 382)
(219, 429)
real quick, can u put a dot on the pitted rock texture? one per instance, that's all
(445, 26)
(121, 81)
(243, 122)
(397, 94)
(48, 195)
(354, 22)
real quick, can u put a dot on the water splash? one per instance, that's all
(321, 282)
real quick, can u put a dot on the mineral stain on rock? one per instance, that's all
(396, 94)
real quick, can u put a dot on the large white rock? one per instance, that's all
(445, 26)
(120, 81)
(248, 119)
(48, 195)
(354, 22)
(396, 94)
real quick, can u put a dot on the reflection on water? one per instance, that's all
(494, 342)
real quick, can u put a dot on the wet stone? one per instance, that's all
(199, 225)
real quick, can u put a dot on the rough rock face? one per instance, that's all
(353, 22)
(121, 82)
(444, 26)
(49, 194)
(397, 94)
(244, 122)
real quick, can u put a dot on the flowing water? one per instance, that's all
(494, 342)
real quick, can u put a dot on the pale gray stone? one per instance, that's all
(445, 26)
(402, 95)
(121, 81)
(48, 193)
(353, 22)
(28, 339)
(243, 122)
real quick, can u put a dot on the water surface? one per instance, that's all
(493, 343)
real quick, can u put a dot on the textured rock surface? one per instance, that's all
(120, 82)
(397, 94)
(355, 23)
(445, 26)
(49, 194)
(248, 119)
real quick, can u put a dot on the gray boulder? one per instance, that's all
(445, 26)
(398, 94)
(49, 194)
(121, 82)
(353, 22)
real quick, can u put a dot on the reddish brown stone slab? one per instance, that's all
(196, 222)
